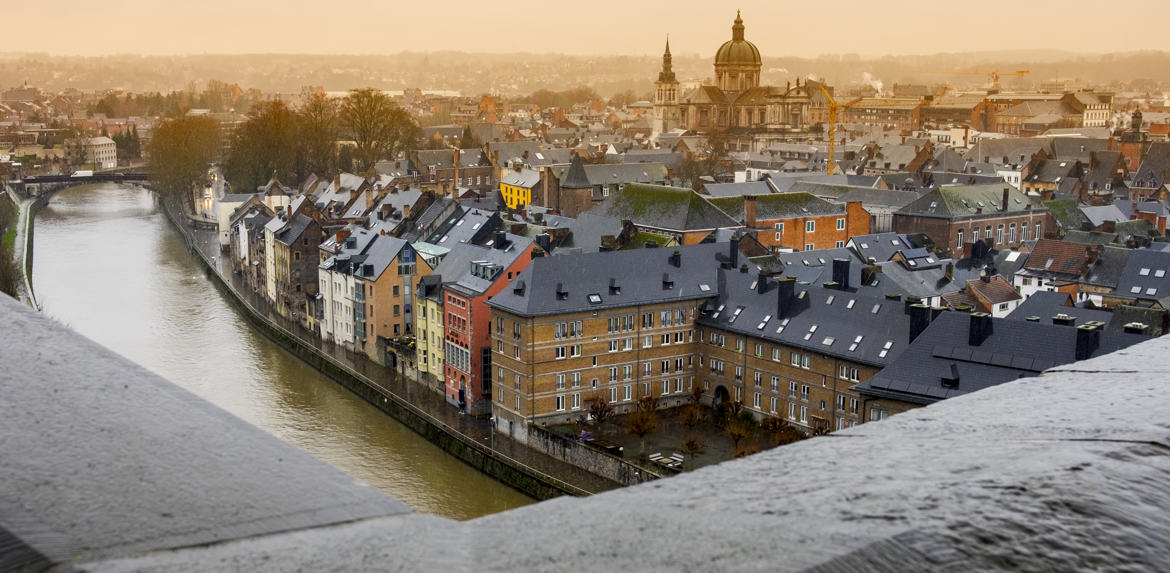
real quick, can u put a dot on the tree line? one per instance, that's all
(321, 136)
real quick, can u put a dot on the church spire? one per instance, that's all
(737, 28)
(667, 74)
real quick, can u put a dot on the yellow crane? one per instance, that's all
(834, 107)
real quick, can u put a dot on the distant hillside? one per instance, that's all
(524, 73)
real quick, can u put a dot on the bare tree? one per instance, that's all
(643, 420)
(379, 128)
(601, 410)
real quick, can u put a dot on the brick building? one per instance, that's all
(797, 221)
(956, 217)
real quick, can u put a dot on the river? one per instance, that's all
(108, 265)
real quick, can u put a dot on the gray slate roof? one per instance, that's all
(637, 274)
(1014, 349)
(1146, 275)
(665, 208)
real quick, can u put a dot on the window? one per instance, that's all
(626, 392)
(809, 246)
(1037, 235)
(999, 234)
(775, 384)
(575, 350)
(560, 403)
(876, 414)
(776, 354)
(561, 381)
(772, 406)
(647, 341)
(848, 373)
(576, 403)
(613, 395)
(613, 346)
(810, 226)
(792, 388)
(840, 244)
(804, 414)
(395, 289)
(739, 373)
(840, 402)
(666, 386)
(576, 378)
(759, 350)
(560, 352)
(1012, 233)
(757, 378)
(613, 373)
(756, 400)
(791, 411)
(960, 240)
(804, 392)
(841, 224)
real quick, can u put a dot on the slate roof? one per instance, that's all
(965, 200)
(1014, 349)
(816, 267)
(878, 197)
(1054, 171)
(637, 275)
(1146, 275)
(738, 189)
(1090, 237)
(293, 231)
(370, 248)
(879, 246)
(779, 206)
(856, 325)
(526, 178)
(1048, 304)
(665, 208)
(575, 177)
(456, 267)
(1099, 214)
(1067, 212)
(1151, 174)
(587, 230)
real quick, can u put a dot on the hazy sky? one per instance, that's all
(633, 27)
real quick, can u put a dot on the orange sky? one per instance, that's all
(777, 27)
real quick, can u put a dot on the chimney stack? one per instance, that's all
(841, 273)
(952, 380)
(1088, 340)
(1135, 328)
(676, 259)
(1004, 204)
(1063, 319)
(733, 252)
(980, 328)
(749, 210)
(500, 240)
(761, 283)
(911, 300)
(785, 296)
(919, 320)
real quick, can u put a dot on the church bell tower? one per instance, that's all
(666, 112)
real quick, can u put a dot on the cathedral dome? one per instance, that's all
(737, 51)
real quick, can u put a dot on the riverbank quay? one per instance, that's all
(22, 246)
(469, 439)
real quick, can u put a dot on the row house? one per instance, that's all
(429, 333)
(366, 285)
(958, 217)
(291, 241)
(471, 274)
(797, 221)
(246, 243)
(451, 169)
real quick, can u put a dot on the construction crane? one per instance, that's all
(834, 107)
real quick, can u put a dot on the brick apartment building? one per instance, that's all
(797, 221)
(956, 217)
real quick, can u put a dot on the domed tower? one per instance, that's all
(666, 111)
(737, 63)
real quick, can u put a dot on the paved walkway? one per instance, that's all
(428, 402)
(21, 246)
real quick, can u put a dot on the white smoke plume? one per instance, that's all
(868, 79)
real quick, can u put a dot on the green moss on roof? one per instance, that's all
(640, 239)
(778, 205)
(664, 207)
(1067, 212)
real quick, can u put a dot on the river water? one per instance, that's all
(108, 265)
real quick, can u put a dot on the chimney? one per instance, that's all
(980, 328)
(500, 241)
(841, 273)
(919, 320)
(1088, 340)
(743, 269)
(613, 286)
(1091, 253)
(761, 283)
(733, 252)
(537, 253)
(949, 273)
(676, 259)
(911, 300)
(1004, 204)
(1135, 328)
(785, 296)
(406, 211)
(951, 381)
(1063, 319)
(749, 210)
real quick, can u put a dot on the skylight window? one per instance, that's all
(762, 323)
(851, 302)
(856, 341)
(753, 287)
(459, 222)
(886, 349)
(830, 299)
(705, 287)
(1144, 272)
(720, 309)
(1160, 273)
(821, 259)
(783, 323)
(475, 226)
(895, 242)
(594, 299)
(443, 239)
(1152, 291)
(1135, 289)
(876, 308)
(912, 262)
(930, 260)
(865, 245)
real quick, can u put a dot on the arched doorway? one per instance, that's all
(722, 396)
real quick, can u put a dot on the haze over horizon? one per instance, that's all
(608, 27)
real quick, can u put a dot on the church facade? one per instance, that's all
(752, 116)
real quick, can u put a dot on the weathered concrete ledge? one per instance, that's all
(110, 468)
(514, 474)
